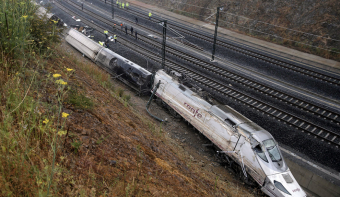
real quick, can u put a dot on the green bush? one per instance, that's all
(22, 32)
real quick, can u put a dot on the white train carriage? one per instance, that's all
(83, 44)
(128, 72)
(42, 12)
(246, 143)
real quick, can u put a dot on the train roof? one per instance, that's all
(227, 114)
(85, 45)
(242, 124)
(41, 11)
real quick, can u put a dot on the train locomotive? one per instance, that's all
(240, 141)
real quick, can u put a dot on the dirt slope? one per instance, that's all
(123, 152)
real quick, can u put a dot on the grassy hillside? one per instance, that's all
(67, 130)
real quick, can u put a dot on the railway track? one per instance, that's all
(208, 66)
(299, 123)
(266, 58)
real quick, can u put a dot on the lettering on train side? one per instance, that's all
(193, 110)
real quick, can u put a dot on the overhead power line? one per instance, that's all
(258, 21)
(248, 28)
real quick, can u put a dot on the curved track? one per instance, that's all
(262, 88)
(281, 115)
(266, 58)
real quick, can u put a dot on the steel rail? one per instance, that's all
(275, 61)
(290, 119)
(262, 88)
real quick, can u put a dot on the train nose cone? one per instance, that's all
(286, 184)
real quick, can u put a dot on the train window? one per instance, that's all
(279, 186)
(135, 75)
(113, 62)
(258, 150)
(129, 70)
(229, 122)
(272, 150)
(181, 87)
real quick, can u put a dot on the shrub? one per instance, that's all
(79, 100)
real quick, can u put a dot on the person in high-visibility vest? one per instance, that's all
(115, 38)
(127, 5)
(101, 43)
(150, 15)
(106, 32)
(117, 3)
(120, 5)
(123, 5)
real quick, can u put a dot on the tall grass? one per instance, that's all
(29, 126)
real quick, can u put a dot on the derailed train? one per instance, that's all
(41, 12)
(240, 141)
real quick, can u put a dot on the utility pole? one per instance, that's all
(216, 26)
(164, 23)
(112, 8)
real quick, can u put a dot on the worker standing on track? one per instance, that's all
(127, 5)
(117, 3)
(123, 5)
(114, 27)
(126, 29)
(136, 20)
(121, 26)
(115, 38)
(150, 15)
(120, 5)
(131, 29)
(106, 32)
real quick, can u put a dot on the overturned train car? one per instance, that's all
(128, 72)
(239, 140)
(42, 12)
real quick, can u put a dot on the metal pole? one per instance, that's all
(113, 16)
(216, 26)
(164, 42)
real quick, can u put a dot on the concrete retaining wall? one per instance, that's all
(313, 182)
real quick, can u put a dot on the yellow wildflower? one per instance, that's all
(61, 82)
(24, 16)
(46, 121)
(48, 47)
(61, 133)
(69, 69)
(56, 75)
(64, 115)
